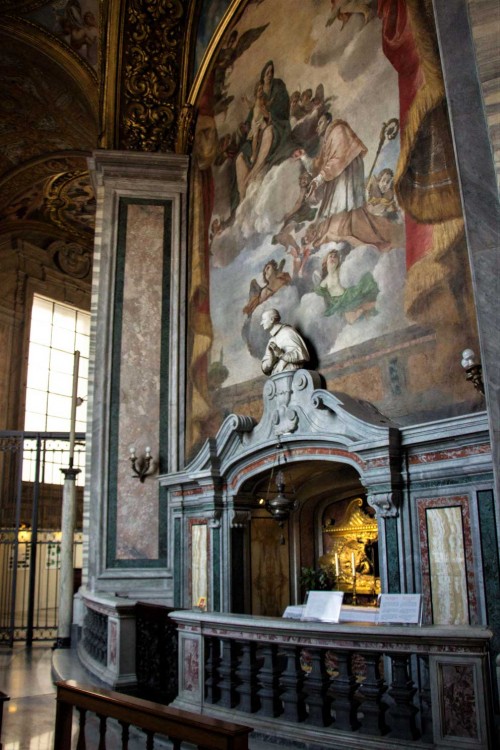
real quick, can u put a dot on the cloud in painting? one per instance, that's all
(260, 213)
(332, 333)
(241, 337)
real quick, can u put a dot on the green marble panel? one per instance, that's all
(238, 567)
(392, 552)
(216, 569)
(491, 568)
(177, 563)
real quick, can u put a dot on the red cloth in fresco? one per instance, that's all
(400, 49)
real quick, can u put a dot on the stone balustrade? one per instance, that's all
(365, 685)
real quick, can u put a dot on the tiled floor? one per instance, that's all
(29, 716)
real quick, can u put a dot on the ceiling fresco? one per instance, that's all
(48, 119)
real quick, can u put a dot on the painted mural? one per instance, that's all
(324, 186)
(73, 21)
(211, 14)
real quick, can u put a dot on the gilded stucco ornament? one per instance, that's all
(152, 53)
(185, 134)
(71, 258)
(70, 203)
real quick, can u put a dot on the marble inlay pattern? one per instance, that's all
(459, 700)
(137, 503)
(392, 556)
(190, 661)
(335, 638)
(113, 642)
(447, 561)
(447, 566)
(446, 455)
(199, 562)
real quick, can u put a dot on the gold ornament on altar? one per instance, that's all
(352, 552)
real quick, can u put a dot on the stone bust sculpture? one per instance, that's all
(286, 349)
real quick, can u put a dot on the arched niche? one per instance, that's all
(332, 442)
(284, 560)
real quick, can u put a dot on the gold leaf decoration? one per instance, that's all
(185, 135)
(152, 52)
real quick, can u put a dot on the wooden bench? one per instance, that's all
(152, 718)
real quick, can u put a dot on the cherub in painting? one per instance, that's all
(381, 197)
(274, 278)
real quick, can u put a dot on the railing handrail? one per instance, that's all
(371, 680)
(151, 717)
(33, 434)
(346, 635)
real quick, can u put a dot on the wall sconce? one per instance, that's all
(281, 505)
(473, 369)
(142, 467)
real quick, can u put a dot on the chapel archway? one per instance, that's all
(314, 547)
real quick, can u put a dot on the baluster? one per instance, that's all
(268, 680)
(371, 691)
(246, 673)
(102, 732)
(150, 740)
(212, 663)
(342, 689)
(125, 734)
(402, 711)
(227, 674)
(425, 701)
(81, 744)
(292, 683)
(316, 685)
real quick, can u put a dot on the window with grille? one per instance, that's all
(57, 331)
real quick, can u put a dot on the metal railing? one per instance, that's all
(31, 491)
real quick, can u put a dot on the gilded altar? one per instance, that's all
(351, 549)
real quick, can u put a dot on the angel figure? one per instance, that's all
(274, 278)
(235, 47)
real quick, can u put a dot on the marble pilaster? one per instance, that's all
(480, 201)
(137, 345)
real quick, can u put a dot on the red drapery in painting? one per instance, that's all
(426, 180)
